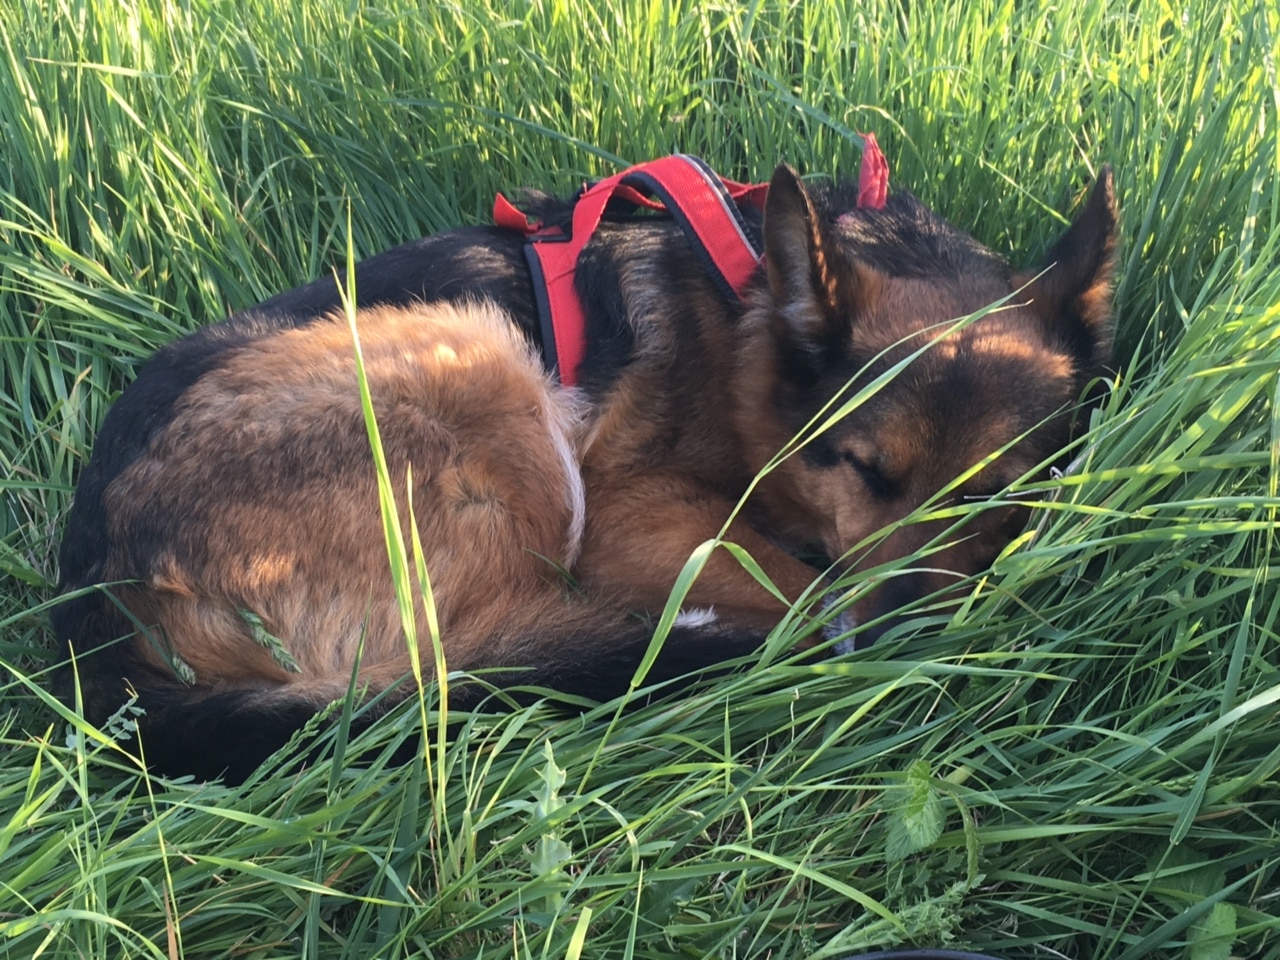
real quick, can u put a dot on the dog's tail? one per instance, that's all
(227, 734)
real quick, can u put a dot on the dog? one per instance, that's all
(224, 560)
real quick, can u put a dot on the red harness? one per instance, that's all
(707, 207)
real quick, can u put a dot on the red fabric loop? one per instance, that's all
(873, 177)
(506, 215)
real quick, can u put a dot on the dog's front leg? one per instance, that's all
(640, 532)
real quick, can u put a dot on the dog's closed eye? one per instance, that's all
(875, 479)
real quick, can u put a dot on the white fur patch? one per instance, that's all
(840, 625)
(697, 617)
(564, 419)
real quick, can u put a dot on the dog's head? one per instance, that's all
(872, 304)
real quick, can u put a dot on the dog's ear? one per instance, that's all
(1071, 291)
(813, 301)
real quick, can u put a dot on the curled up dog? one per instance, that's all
(232, 493)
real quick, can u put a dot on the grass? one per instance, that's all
(1084, 764)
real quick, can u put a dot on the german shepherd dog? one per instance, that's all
(232, 496)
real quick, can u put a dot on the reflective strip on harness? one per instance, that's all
(704, 207)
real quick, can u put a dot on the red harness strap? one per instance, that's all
(705, 205)
(701, 202)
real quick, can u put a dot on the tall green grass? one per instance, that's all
(1086, 763)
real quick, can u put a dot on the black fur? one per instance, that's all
(251, 727)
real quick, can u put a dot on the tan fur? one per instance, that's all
(460, 401)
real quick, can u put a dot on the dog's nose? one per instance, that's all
(896, 601)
